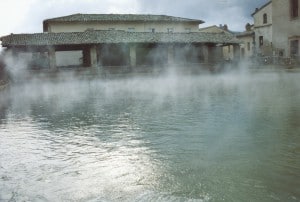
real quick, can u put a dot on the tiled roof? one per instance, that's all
(259, 9)
(98, 37)
(217, 30)
(245, 33)
(120, 17)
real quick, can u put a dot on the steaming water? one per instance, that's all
(168, 138)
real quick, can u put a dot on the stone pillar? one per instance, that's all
(52, 58)
(218, 52)
(86, 58)
(170, 54)
(132, 55)
(206, 53)
(236, 52)
(93, 55)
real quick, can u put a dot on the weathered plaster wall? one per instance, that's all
(138, 27)
(264, 29)
(246, 40)
(258, 17)
(283, 26)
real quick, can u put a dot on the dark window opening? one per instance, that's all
(294, 48)
(294, 8)
(170, 30)
(248, 46)
(261, 41)
(265, 18)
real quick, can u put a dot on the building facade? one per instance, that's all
(286, 27)
(119, 40)
(227, 50)
(247, 46)
(122, 22)
(277, 29)
(117, 22)
(263, 29)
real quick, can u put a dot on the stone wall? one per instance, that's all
(264, 30)
(285, 28)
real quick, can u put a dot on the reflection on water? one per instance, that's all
(171, 138)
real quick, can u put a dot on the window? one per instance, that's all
(229, 49)
(131, 29)
(261, 41)
(265, 18)
(152, 30)
(294, 47)
(248, 46)
(294, 7)
(170, 30)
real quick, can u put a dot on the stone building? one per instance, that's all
(92, 40)
(247, 39)
(277, 28)
(263, 29)
(286, 27)
(229, 51)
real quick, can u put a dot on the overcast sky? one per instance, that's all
(26, 16)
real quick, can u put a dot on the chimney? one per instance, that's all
(225, 27)
(248, 27)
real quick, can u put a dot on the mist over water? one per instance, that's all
(172, 137)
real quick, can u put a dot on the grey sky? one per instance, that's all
(26, 16)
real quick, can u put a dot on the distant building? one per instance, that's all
(247, 39)
(263, 29)
(228, 51)
(119, 40)
(277, 28)
(213, 29)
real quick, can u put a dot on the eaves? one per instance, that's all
(261, 26)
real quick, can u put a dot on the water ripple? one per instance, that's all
(201, 138)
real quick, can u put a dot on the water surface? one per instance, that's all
(228, 137)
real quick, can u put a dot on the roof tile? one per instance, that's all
(98, 37)
(119, 17)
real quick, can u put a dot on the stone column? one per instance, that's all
(86, 58)
(132, 55)
(52, 58)
(93, 55)
(236, 51)
(171, 54)
(206, 53)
